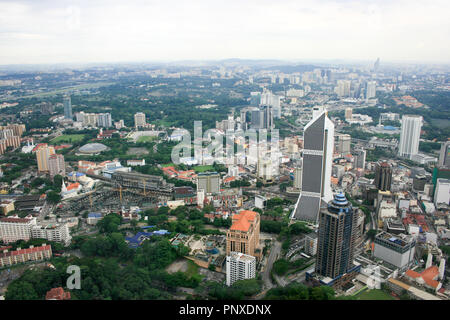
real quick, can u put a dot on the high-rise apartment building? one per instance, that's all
(240, 266)
(336, 238)
(383, 176)
(371, 89)
(13, 228)
(43, 154)
(409, 136)
(104, 120)
(243, 235)
(139, 119)
(317, 165)
(56, 165)
(67, 107)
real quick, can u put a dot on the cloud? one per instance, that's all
(85, 31)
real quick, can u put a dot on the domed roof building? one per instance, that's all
(92, 148)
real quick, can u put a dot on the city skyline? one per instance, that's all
(99, 32)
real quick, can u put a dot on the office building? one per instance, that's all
(396, 250)
(383, 176)
(104, 120)
(139, 119)
(444, 155)
(442, 192)
(209, 182)
(264, 170)
(360, 159)
(336, 238)
(240, 267)
(343, 143)
(371, 89)
(317, 164)
(43, 154)
(409, 136)
(14, 228)
(243, 235)
(56, 165)
(67, 107)
(348, 113)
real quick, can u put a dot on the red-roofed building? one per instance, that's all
(427, 278)
(57, 294)
(243, 235)
(8, 258)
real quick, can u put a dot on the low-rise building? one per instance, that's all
(52, 232)
(395, 250)
(9, 258)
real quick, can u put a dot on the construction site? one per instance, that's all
(110, 195)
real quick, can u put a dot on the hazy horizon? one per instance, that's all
(97, 32)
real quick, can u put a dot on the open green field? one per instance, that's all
(374, 294)
(146, 139)
(192, 268)
(203, 168)
(68, 138)
(168, 165)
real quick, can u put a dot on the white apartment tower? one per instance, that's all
(240, 267)
(409, 136)
(13, 228)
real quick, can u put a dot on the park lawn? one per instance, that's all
(146, 139)
(203, 168)
(68, 138)
(374, 294)
(164, 123)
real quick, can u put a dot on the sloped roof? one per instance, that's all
(243, 220)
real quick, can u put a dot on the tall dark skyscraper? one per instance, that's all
(383, 176)
(67, 108)
(336, 238)
(316, 173)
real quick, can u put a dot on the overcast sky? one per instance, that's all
(111, 31)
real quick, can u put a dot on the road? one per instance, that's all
(273, 255)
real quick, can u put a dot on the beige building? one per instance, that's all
(6, 206)
(56, 165)
(43, 154)
(243, 235)
(8, 258)
(139, 119)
